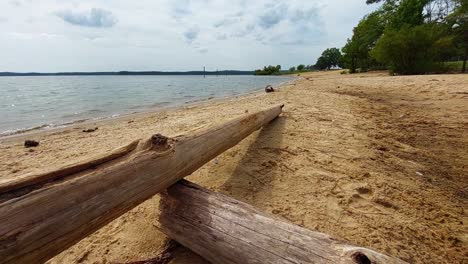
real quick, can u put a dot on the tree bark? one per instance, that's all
(41, 220)
(224, 230)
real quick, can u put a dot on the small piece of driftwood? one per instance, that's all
(31, 143)
(40, 220)
(269, 89)
(89, 130)
(224, 230)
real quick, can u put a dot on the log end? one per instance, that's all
(359, 255)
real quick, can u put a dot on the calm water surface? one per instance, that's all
(50, 101)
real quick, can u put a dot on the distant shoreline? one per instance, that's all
(124, 73)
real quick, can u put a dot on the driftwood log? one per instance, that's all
(224, 230)
(39, 218)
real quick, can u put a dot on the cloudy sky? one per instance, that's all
(113, 35)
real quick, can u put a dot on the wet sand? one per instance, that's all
(377, 160)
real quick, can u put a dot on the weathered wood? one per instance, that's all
(224, 230)
(41, 220)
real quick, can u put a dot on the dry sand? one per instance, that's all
(377, 160)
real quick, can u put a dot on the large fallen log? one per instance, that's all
(224, 230)
(38, 221)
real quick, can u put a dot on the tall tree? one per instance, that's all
(458, 23)
(409, 12)
(356, 52)
(417, 36)
(330, 58)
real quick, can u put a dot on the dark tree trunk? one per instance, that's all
(353, 65)
(464, 60)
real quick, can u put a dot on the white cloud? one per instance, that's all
(51, 35)
(95, 17)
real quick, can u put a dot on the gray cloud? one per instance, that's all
(221, 36)
(309, 15)
(292, 42)
(14, 2)
(180, 8)
(229, 20)
(247, 30)
(191, 34)
(269, 20)
(272, 16)
(95, 17)
(224, 22)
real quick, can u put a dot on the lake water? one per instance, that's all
(51, 101)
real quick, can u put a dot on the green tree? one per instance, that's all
(413, 50)
(458, 23)
(269, 70)
(418, 35)
(356, 52)
(300, 67)
(409, 12)
(434, 10)
(351, 54)
(330, 58)
(292, 69)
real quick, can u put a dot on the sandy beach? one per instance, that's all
(380, 161)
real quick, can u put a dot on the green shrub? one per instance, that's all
(413, 50)
(269, 70)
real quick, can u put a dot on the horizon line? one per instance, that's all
(69, 73)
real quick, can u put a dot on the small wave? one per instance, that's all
(74, 122)
(160, 104)
(70, 115)
(11, 132)
(94, 111)
(200, 100)
(85, 113)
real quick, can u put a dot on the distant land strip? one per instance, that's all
(226, 72)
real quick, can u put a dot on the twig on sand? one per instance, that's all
(366, 213)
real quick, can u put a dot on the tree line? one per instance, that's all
(276, 70)
(406, 37)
